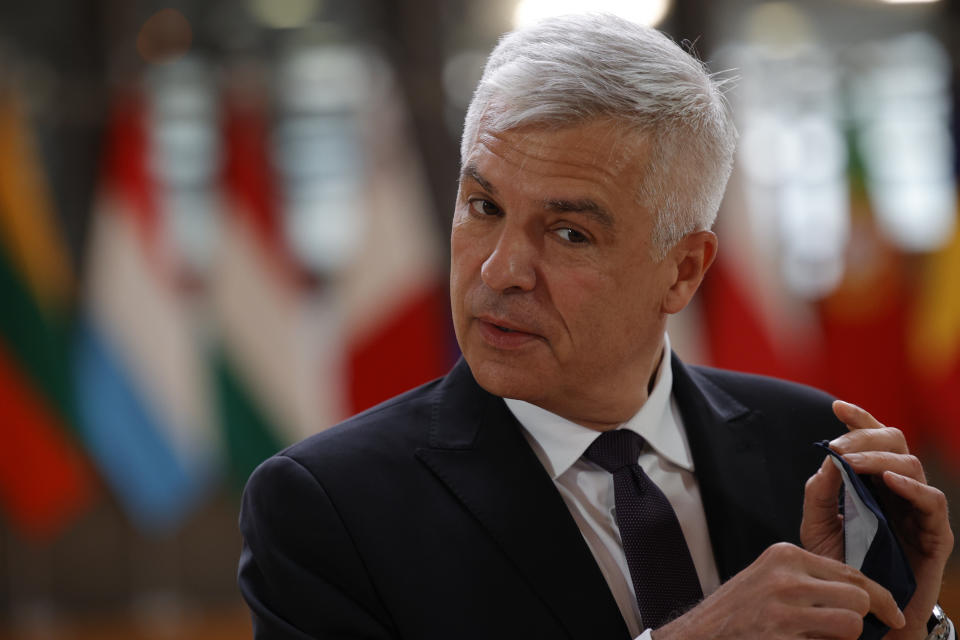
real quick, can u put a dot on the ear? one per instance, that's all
(691, 257)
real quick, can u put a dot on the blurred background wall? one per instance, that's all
(223, 228)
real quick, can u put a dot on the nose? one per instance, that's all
(512, 263)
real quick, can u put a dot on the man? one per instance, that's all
(594, 157)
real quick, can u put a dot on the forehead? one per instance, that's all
(600, 155)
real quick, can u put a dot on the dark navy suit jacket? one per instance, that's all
(429, 516)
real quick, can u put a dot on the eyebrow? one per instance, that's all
(471, 171)
(580, 205)
(585, 206)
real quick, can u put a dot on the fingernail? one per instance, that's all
(852, 458)
(901, 621)
(849, 404)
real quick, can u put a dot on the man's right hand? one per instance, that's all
(787, 593)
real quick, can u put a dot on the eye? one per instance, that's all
(572, 235)
(484, 207)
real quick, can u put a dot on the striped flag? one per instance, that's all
(396, 305)
(44, 480)
(139, 368)
(299, 352)
(265, 368)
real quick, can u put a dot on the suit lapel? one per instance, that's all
(478, 451)
(728, 444)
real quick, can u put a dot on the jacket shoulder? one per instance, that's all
(795, 411)
(399, 424)
(757, 390)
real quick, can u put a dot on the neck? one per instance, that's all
(637, 401)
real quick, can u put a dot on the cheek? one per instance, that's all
(581, 298)
(605, 311)
(465, 264)
(470, 244)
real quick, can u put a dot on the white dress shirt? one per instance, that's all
(587, 489)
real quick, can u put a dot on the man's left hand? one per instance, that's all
(917, 511)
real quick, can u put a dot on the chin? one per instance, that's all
(507, 380)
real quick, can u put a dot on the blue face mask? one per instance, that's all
(869, 543)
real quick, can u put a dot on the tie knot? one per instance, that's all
(616, 449)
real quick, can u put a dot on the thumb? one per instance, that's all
(824, 485)
(821, 513)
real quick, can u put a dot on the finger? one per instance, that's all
(854, 417)
(820, 493)
(882, 604)
(831, 623)
(872, 439)
(821, 528)
(928, 501)
(876, 462)
(841, 595)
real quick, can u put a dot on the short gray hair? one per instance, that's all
(570, 69)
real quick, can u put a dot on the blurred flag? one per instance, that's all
(261, 363)
(358, 313)
(934, 348)
(139, 369)
(737, 334)
(396, 316)
(751, 321)
(864, 330)
(44, 480)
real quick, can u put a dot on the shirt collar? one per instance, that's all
(560, 442)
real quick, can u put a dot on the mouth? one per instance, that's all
(500, 335)
(503, 326)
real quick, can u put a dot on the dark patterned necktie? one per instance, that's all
(661, 568)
